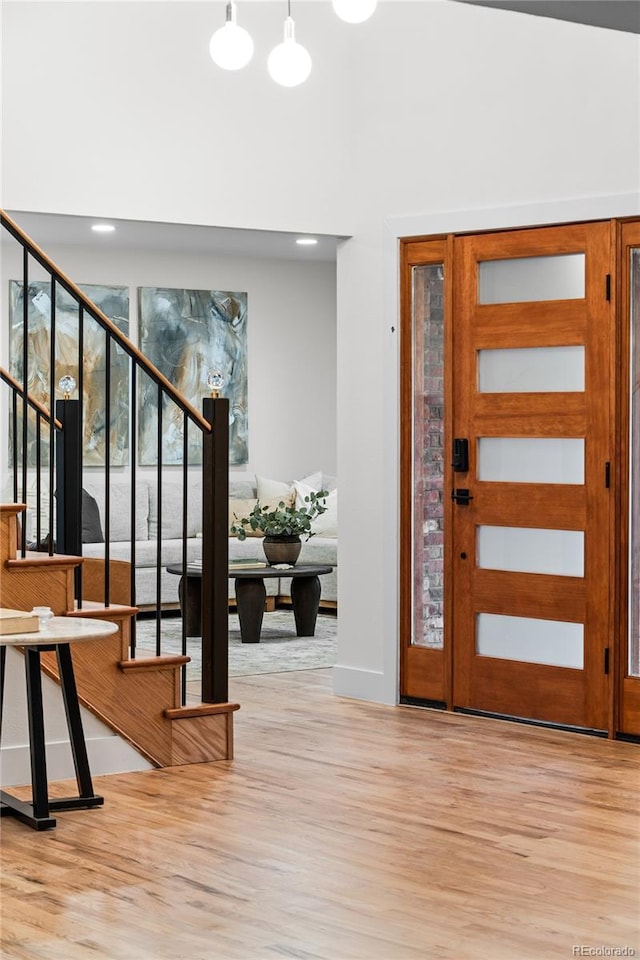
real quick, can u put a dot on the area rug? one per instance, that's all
(279, 650)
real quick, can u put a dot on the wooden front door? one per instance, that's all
(533, 342)
(527, 504)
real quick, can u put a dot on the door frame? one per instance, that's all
(433, 665)
(625, 709)
(619, 471)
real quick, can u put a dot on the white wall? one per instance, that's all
(459, 109)
(136, 122)
(429, 108)
(291, 340)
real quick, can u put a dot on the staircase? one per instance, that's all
(143, 698)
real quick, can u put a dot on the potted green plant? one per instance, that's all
(282, 526)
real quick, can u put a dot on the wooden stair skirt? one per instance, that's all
(139, 699)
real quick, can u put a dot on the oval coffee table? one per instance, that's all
(251, 594)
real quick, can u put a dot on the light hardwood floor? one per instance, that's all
(342, 831)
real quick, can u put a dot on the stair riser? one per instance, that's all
(44, 587)
(132, 703)
(9, 530)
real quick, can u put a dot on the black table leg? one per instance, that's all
(190, 596)
(3, 660)
(305, 599)
(36, 813)
(36, 734)
(250, 597)
(86, 797)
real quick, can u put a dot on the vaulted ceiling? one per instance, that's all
(610, 14)
(46, 228)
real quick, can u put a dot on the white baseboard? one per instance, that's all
(361, 685)
(107, 754)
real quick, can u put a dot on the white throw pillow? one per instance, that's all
(303, 488)
(326, 525)
(268, 490)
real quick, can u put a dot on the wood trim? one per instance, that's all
(526, 324)
(35, 559)
(530, 241)
(626, 710)
(113, 611)
(413, 253)
(202, 710)
(449, 434)
(153, 663)
(405, 539)
(538, 595)
(425, 677)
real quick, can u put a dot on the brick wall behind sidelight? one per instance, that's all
(429, 463)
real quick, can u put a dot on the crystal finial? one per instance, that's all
(67, 385)
(215, 381)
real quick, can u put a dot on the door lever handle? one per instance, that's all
(461, 496)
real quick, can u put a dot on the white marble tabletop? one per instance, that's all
(61, 630)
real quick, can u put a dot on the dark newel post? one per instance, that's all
(215, 552)
(68, 478)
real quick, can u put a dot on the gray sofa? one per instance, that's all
(319, 548)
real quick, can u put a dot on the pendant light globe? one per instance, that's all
(289, 63)
(231, 47)
(354, 11)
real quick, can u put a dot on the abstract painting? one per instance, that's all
(114, 303)
(187, 334)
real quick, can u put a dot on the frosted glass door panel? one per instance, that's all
(525, 639)
(524, 279)
(531, 370)
(531, 460)
(526, 550)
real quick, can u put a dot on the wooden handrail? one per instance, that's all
(31, 400)
(104, 321)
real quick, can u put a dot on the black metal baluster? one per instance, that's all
(107, 468)
(14, 446)
(133, 408)
(38, 481)
(25, 383)
(185, 513)
(159, 550)
(52, 406)
(79, 590)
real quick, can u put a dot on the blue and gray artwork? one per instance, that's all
(100, 423)
(188, 334)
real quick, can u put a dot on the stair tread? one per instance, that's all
(92, 607)
(147, 661)
(200, 710)
(34, 558)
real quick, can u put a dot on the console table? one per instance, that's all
(251, 594)
(59, 633)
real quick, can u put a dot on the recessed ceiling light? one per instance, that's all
(306, 241)
(103, 227)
